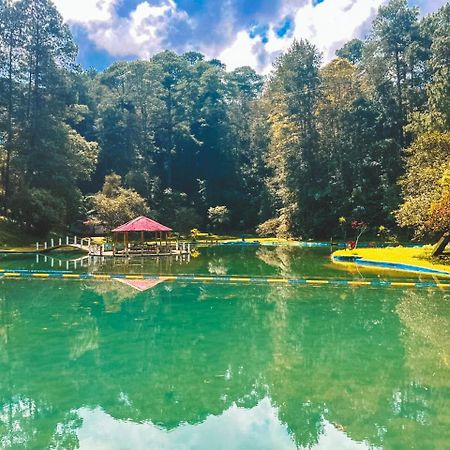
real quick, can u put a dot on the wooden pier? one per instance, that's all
(88, 245)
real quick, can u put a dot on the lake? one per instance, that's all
(190, 365)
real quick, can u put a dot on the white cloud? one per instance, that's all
(140, 34)
(331, 24)
(157, 25)
(328, 25)
(240, 53)
(85, 11)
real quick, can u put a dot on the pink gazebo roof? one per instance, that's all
(141, 223)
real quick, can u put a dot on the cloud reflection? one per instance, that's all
(237, 428)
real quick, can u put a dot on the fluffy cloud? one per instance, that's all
(140, 34)
(239, 32)
(328, 25)
(86, 11)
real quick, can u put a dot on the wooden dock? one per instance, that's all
(87, 245)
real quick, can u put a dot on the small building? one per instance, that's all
(143, 227)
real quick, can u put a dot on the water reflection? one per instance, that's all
(223, 260)
(183, 364)
(236, 428)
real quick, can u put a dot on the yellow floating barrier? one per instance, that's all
(278, 280)
(40, 275)
(359, 283)
(375, 283)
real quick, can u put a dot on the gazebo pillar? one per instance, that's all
(125, 242)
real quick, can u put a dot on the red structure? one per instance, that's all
(143, 225)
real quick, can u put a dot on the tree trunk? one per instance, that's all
(170, 133)
(400, 97)
(439, 248)
(9, 139)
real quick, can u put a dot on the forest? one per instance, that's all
(308, 150)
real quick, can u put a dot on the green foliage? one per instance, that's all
(292, 153)
(13, 235)
(437, 26)
(177, 210)
(424, 186)
(278, 227)
(218, 216)
(40, 209)
(44, 158)
(115, 205)
(352, 51)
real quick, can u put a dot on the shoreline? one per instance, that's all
(403, 259)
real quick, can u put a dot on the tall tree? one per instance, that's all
(293, 155)
(436, 28)
(391, 56)
(11, 41)
(51, 157)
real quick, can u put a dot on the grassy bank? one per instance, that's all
(14, 238)
(415, 256)
(205, 238)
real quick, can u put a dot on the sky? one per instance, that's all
(238, 32)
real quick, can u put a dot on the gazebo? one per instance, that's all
(143, 225)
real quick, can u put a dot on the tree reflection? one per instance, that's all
(180, 353)
(425, 317)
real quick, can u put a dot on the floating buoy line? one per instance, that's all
(55, 274)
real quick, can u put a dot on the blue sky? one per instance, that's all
(239, 32)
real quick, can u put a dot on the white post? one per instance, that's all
(45, 245)
(52, 242)
(60, 242)
(75, 240)
(67, 265)
(37, 246)
(189, 248)
(52, 262)
(67, 240)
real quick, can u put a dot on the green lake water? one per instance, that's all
(206, 366)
